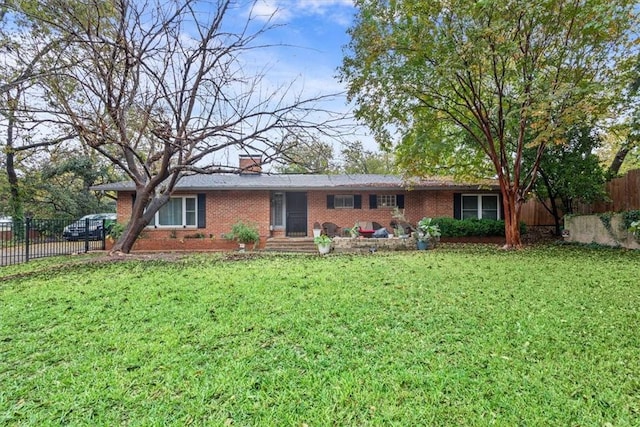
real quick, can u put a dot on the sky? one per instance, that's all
(314, 33)
(305, 47)
(311, 35)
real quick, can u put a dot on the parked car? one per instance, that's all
(98, 226)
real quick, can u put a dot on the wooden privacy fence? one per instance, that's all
(534, 214)
(623, 193)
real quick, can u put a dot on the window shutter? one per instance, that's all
(331, 202)
(400, 201)
(457, 205)
(373, 201)
(500, 206)
(202, 210)
(357, 201)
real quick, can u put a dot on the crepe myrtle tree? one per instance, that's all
(165, 89)
(483, 80)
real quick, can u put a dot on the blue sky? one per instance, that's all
(311, 36)
(313, 32)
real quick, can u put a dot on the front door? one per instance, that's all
(296, 214)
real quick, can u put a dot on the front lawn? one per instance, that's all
(457, 336)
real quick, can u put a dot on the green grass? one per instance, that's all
(456, 336)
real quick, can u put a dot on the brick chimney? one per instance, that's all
(250, 164)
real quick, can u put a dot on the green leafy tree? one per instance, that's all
(630, 126)
(31, 50)
(505, 74)
(357, 160)
(570, 173)
(307, 157)
(65, 183)
(59, 186)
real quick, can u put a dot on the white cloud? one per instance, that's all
(286, 10)
(270, 10)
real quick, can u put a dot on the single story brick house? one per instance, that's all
(289, 205)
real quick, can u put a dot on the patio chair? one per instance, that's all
(331, 229)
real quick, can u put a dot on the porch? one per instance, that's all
(340, 244)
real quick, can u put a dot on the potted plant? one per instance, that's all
(244, 233)
(324, 243)
(399, 223)
(317, 229)
(354, 231)
(428, 233)
(400, 231)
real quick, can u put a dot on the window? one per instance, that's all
(482, 206)
(178, 212)
(387, 201)
(277, 210)
(343, 201)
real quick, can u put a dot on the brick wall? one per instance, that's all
(124, 204)
(417, 204)
(224, 208)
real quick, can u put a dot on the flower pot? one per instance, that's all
(423, 245)
(324, 249)
(317, 232)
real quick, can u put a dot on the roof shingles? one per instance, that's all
(302, 182)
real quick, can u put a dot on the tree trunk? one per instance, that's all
(512, 205)
(142, 212)
(553, 209)
(16, 208)
(129, 236)
(556, 216)
(616, 164)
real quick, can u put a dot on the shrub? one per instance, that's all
(194, 236)
(629, 217)
(244, 232)
(450, 227)
(116, 230)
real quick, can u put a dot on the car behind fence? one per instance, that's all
(21, 241)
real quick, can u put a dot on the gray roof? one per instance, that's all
(303, 182)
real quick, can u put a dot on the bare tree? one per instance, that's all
(162, 92)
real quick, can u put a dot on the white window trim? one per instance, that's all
(479, 209)
(392, 197)
(283, 213)
(183, 197)
(353, 201)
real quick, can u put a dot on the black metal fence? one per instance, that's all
(21, 241)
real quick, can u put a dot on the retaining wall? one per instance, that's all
(348, 244)
(591, 229)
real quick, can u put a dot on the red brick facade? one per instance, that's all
(417, 204)
(225, 207)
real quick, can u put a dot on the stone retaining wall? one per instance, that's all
(348, 244)
(591, 229)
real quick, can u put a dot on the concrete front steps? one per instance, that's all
(291, 244)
